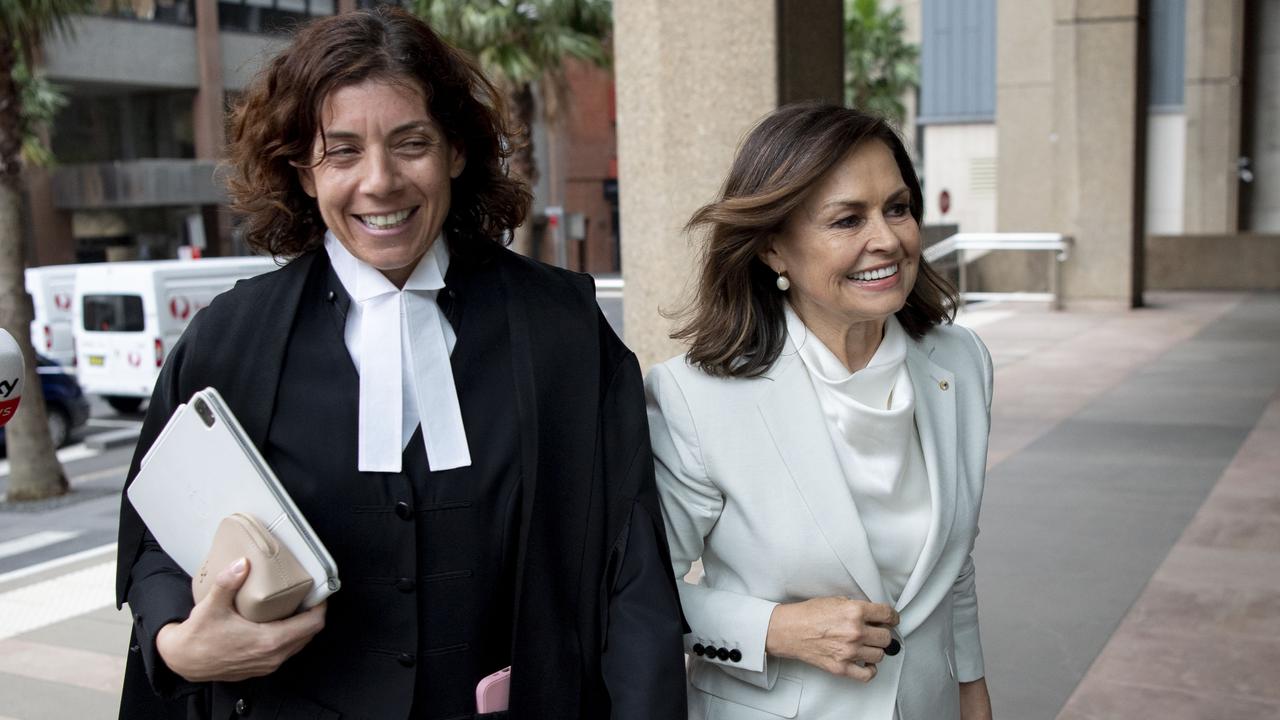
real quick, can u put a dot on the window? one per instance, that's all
(958, 61)
(113, 313)
(270, 16)
(1167, 28)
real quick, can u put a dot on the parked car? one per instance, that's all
(65, 402)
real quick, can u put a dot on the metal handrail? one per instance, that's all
(960, 243)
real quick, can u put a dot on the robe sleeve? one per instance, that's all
(157, 590)
(643, 662)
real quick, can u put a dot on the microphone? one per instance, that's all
(12, 373)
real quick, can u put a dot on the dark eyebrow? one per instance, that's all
(861, 204)
(347, 135)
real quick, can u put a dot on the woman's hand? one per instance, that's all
(838, 635)
(217, 643)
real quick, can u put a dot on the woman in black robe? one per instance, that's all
(513, 522)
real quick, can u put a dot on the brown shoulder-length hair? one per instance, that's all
(736, 321)
(275, 125)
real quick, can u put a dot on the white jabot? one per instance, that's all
(400, 342)
(871, 417)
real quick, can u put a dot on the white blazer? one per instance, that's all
(750, 483)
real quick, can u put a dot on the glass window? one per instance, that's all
(113, 313)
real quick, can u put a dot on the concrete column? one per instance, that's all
(49, 229)
(692, 79)
(1069, 115)
(209, 116)
(1214, 64)
(345, 6)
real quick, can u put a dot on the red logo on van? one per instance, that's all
(180, 308)
(62, 301)
(135, 359)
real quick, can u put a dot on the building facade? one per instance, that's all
(1148, 130)
(148, 84)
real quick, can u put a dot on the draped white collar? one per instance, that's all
(400, 342)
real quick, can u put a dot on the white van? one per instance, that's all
(128, 315)
(52, 291)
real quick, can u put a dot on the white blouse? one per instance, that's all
(871, 417)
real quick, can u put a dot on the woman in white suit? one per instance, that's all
(822, 446)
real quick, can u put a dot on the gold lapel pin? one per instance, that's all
(944, 384)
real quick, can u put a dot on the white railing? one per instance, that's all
(962, 245)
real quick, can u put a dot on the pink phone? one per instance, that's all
(494, 691)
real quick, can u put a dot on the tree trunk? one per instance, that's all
(34, 471)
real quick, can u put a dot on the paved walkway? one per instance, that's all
(1128, 564)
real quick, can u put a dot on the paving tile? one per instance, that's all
(1214, 611)
(86, 669)
(1107, 700)
(27, 698)
(1194, 661)
(91, 631)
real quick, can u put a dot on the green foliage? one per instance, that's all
(39, 101)
(519, 41)
(26, 21)
(880, 67)
(23, 23)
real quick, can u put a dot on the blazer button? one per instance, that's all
(405, 585)
(944, 384)
(406, 659)
(710, 651)
(403, 511)
(735, 655)
(698, 649)
(723, 654)
(331, 296)
(242, 707)
(893, 648)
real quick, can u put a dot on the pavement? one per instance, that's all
(1128, 566)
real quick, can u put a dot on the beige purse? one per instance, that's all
(276, 584)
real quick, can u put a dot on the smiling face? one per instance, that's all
(852, 249)
(382, 179)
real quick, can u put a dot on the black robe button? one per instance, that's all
(893, 648)
(331, 296)
(242, 707)
(403, 510)
(735, 655)
(710, 651)
(698, 649)
(406, 659)
(723, 654)
(405, 585)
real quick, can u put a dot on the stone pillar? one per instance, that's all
(1214, 65)
(1069, 114)
(346, 6)
(49, 229)
(692, 80)
(209, 116)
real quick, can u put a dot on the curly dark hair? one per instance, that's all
(736, 321)
(274, 128)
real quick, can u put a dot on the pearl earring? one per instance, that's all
(783, 283)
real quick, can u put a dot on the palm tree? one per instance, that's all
(880, 66)
(34, 469)
(523, 44)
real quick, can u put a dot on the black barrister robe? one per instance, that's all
(593, 594)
